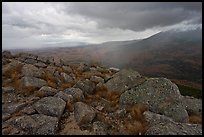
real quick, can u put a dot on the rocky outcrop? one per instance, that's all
(83, 113)
(12, 107)
(86, 86)
(37, 124)
(46, 91)
(51, 106)
(31, 71)
(161, 95)
(76, 93)
(33, 82)
(193, 105)
(124, 80)
(72, 98)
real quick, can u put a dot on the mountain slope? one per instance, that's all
(171, 54)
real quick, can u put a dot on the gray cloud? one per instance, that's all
(136, 15)
(39, 24)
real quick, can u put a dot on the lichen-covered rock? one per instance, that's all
(32, 81)
(154, 119)
(40, 64)
(193, 105)
(86, 86)
(47, 91)
(76, 93)
(7, 54)
(30, 61)
(83, 113)
(174, 128)
(66, 97)
(83, 67)
(47, 125)
(46, 60)
(97, 79)
(123, 80)
(161, 95)
(64, 62)
(99, 128)
(5, 116)
(31, 71)
(67, 69)
(162, 125)
(8, 89)
(37, 124)
(51, 69)
(66, 77)
(12, 107)
(28, 110)
(51, 106)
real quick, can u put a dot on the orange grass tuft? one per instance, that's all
(195, 119)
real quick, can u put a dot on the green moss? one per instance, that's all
(190, 91)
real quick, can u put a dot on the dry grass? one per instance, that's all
(13, 72)
(51, 80)
(70, 107)
(195, 119)
(135, 128)
(59, 69)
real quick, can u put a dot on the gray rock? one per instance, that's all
(8, 89)
(32, 81)
(83, 113)
(67, 69)
(40, 64)
(10, 66)
(114, 69)
(66, 77)
(99, 128)
(64, 62)
(124, 80)
(43, 59)
(7, 54)
(107, 77)
(86, 86)
(27, 56)
(121, 113)
(161, 95)
(154, 119)
(47, 91)
(97, 79)
(32, 71)
(51, 69)
(51, 106)
(193, 105)
(12, 107)
(76, 93)
(65, 97)
(50, 60)
(30, 61)
(5, 61)
(175, 129)
(47, 125)
(37, 124)
(83, 67)
(162, 125)
(5, 116)
(28, 110)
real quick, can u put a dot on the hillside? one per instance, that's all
(171, 54)
(41, 96)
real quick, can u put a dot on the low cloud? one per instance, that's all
(33, 25)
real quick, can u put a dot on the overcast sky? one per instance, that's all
(38, 24)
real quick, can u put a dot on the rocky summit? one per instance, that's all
(41, 96)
